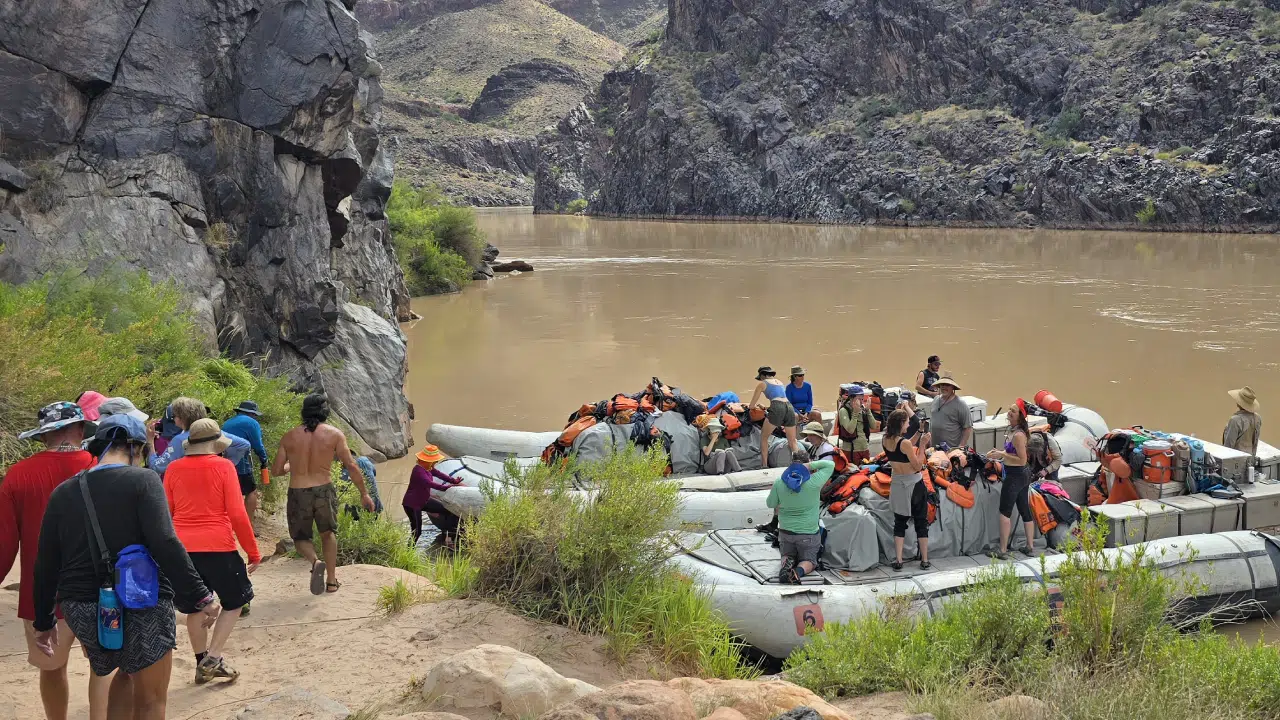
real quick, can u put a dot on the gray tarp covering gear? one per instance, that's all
(686, 443)
(747, 447)
(601, 440)
(852, 539)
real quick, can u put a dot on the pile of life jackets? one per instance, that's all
(1135, 453)
(842, 490)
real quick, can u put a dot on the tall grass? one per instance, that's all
(373, 538)
(595, 563)
(399, 596)
(118, 333)
(1119, 647)
(437, 244)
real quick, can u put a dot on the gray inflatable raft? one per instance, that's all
(1231, 568)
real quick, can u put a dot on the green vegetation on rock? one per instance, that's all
(437, 243)
(119, 334)
(598, 564)
(1121, 646)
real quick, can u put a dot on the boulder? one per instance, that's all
(1017, 707)
(633, 700)
(755, 699)
(42, 109)
(362, 372)
(502, 678)
(295, 704)
(804, 712)
(725, 713)
(491, 252)
(11, 178)
(513, 266)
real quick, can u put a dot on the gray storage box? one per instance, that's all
(1228, 515)
(1268, 462)
(1163, 520)
(1197, 514)
(1126, 524)
(1235, 464)
(1159, 491)
(1076, 482)
(1261, 504)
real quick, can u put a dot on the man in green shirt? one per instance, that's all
(796, 496)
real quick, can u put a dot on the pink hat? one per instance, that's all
(89, 403)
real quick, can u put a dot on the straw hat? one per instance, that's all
(946, 380)
(814, 428)
(430, 454)
(1246, 399)
(205, 438)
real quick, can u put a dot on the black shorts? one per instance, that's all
(247, 485)
(225, 574)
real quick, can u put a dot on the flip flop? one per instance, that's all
(332, 587)
(317, 578)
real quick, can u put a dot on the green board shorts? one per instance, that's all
(312, 506)
(781, 414)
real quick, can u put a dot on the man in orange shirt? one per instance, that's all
(209, 515)
(24, 495)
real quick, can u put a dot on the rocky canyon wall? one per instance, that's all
(231, 146)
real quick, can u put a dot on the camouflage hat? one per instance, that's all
(55, 416)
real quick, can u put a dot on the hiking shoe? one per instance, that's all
(997, 555)
(212, 668)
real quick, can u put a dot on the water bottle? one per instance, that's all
(110, 619)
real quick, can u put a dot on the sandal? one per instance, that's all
(925, 565)
(896, 565)
(317, 577)
(332, 587)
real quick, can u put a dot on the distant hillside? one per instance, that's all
(623, 20)
(470, 83)
(998, 113)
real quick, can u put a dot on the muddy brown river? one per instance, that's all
(1146, 328)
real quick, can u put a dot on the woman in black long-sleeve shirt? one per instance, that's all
(131, 509)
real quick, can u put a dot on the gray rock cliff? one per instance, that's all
(231, 146)
(1003, 113)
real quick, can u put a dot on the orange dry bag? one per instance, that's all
(1045, 520)
(1046, 401)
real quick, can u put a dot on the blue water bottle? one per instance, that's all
(110, 618)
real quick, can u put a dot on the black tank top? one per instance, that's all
(896, 454)
(930, 377)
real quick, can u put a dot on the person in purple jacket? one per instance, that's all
(425, 478)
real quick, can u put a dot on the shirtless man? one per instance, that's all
(306, 454)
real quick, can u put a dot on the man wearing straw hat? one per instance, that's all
(1244, 429)
(951, 423)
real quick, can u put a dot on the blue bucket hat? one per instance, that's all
(55, 416)
(795, 475)
(117, 429)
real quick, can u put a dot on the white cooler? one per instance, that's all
(1163, 520)
(1261, 504)
(1075, 480)
(1197, 514)
(1126, 524)
(1268, 462)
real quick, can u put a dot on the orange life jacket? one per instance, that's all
(732, 425)
(559, 450)
(1045, 520)
(843, 489)
(940, 464)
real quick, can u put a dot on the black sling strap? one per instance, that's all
(92, 514)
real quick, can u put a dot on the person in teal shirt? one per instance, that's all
(797, 497)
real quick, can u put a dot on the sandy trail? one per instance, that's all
(335, 644)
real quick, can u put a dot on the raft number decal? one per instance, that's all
(807, 617)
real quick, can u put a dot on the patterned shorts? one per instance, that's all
(149, 635)
(312, 506)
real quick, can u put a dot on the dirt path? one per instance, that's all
(334, 644)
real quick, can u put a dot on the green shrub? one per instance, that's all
(399, 596)
(119, 334)
(373, 539)
(1065, 125)
(1147, 214)
(596, 564)
(907, 206)
(576, 206)
(437, 244)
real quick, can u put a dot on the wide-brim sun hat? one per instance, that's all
(765, 372)
(946, 380)
(54, 416)
(814, 428)
(1246, 398)
(797, 370)
(430, 454)
(205, 438)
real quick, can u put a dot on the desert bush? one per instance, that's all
(437, 244)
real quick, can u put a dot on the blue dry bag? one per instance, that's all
(137, 578)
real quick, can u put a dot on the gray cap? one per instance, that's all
(122, 406)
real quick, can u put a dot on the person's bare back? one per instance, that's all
(310, 454)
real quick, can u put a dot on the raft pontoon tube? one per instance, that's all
(1236, 570)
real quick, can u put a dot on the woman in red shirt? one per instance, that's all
(209, 515)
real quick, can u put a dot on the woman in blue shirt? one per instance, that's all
(800, 395)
